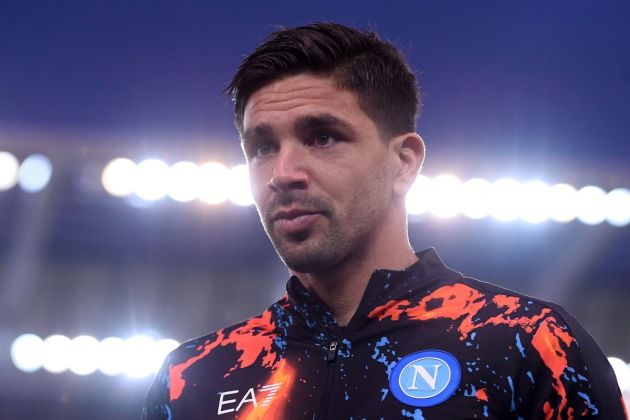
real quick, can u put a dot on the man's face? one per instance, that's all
(318, 171)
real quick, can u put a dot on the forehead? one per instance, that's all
(300, 95)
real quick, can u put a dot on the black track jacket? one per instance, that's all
(425, 343)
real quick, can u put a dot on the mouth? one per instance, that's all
(294, 221)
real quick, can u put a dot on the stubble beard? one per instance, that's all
(333, 241)
(312, 250)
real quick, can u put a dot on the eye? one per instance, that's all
(261, 149)
(264, 149)
(324, 139)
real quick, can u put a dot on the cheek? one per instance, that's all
(258, 185)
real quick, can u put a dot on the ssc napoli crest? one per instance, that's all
(425, 378)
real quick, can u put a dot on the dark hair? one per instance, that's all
(358, 60)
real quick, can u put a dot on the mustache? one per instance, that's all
(300, 199)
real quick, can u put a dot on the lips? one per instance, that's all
(294, 221)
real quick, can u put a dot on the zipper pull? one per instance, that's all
(332, 352)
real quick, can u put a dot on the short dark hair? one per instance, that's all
(358, 60)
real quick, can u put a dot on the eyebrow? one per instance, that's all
(311, 122)
(302, 123)
(261, 130)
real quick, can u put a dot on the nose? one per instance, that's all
(289, 171)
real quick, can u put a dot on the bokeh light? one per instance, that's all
(56, 353)
(534, 202)
(239, 190)
(618, 207)
(622, 372)
(9, 167)
(213, 183)
(35, 173)
(152, 179)
(476, 195)
(419, 196)
(138, 362)
(563, 203)
(111, 356)
(119, 176)
(591, 205)
(447, 196)
(83, 355)
(183, 183)
(505, 200)
(27, 352)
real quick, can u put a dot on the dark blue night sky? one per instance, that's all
(519, 80)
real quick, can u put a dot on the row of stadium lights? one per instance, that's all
(445, 196)
(137, 357)
(32, 175)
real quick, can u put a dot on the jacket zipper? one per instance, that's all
(332, 352)
(331, 370)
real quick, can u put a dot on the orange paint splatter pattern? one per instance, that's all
(452, 302)
(509, 302)
(252, 339)
(481, 394)
(283, 374)
(547, 341)
(392, 309)
(176, 372)
(460, 301)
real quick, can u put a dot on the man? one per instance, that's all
(368, 328)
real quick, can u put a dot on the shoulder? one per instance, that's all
(500, 306)
(238, 345)
(562, 363)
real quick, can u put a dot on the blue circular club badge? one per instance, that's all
(425, 378)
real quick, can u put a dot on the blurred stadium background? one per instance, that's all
(126, 220)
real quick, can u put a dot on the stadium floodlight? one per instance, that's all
(56, 354)
(476, 194)
(151, 179)
(622, 372)
(138, 361)
(618, 207)
(447, 196)
(563, 203)
(35, 173)
(119, 176)
(27, 352)
(239, 191)
(160, 350)
(213, 183)
(9, 166)
(591, 205)
(505, 200)
(183, 185)
(111, 356)
(419, 196)
(535, 202)
(84, 355)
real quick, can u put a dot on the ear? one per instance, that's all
(408, 153)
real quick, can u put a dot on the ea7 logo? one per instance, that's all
(263, 397)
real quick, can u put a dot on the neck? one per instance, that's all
(342, 287)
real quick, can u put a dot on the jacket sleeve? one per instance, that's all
(566, 374)
(157, 405)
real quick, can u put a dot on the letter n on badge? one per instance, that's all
(425, 378)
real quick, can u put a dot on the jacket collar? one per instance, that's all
(383, 286)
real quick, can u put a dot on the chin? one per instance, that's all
(308, 260)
